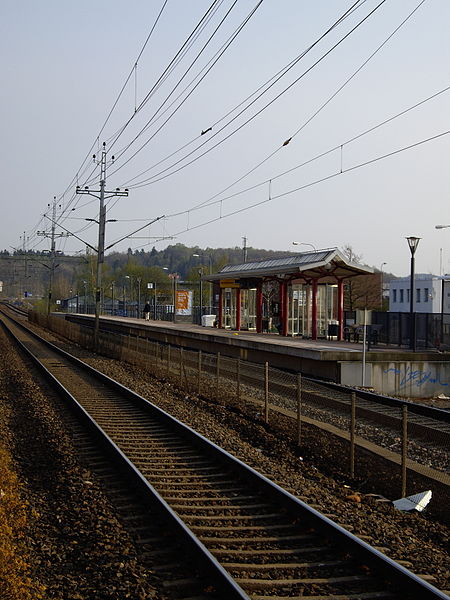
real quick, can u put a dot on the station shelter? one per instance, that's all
(301, 295)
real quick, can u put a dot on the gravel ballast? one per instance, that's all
(414, 538)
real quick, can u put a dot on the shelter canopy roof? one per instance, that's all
(329, 263)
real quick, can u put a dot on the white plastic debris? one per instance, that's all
(416, 502)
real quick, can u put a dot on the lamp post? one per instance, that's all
(441, 273)
(130, 277)
(413, 242)
(139, 297)
(304, 244)
(174, 277)
(381, 282)
(200, 273)
(112, 298)
(210, 271)
(85, 297)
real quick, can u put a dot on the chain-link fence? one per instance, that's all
(342, 426)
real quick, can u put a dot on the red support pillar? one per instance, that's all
(314, 310)
(219, 320)
(284, 301)
(238, 309)
(340, 308)
(259, 302)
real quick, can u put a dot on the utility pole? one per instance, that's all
(25, 266)
(53, 235)
(244, 249)
(103, 194)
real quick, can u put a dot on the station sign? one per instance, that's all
(229, 283)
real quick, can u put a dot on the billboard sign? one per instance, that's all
(183, 302)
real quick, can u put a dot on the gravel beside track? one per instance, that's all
(416, 539)
(75, 545)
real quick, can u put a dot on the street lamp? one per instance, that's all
(304, 244)
(174, 277)
(139, 297)
(381, 277)
(210, 271)
(200, 274)
(130, 277)
(112, 298)
(413, 242)
(85, 297)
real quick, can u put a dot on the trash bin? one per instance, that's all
(333, 330)
(208, 320)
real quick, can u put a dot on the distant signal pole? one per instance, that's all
(102, 194)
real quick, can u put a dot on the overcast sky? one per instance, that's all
(64, 64)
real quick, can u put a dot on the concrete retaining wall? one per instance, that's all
(409, 379)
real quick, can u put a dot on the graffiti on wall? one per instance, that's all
(416, 377)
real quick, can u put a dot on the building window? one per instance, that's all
(426, 293)
(401, 296)
(395, 295)
(407, 295)
(417, 294)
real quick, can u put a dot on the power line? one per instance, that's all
(330, 98)
(270, 198)
(156, 178)
(211, 64)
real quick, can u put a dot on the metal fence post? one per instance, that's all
(168, 360)
(181, 366)
(404, 447)
(352, 435)
(199, 372)
(238, 379)
(217, 374)
(266, 392)
(299, 409)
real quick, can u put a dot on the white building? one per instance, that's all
(431, 294)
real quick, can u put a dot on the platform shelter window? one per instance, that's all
(229, 308)
(248, 309)
(300, 314)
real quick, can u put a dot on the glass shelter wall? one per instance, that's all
(248, 309)
(229, 308)
(300, 309)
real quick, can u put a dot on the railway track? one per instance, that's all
(249, 537)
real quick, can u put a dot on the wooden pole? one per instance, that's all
(266, 392)
(299, 409)
(238, 379)
(199, 372)
(404, 447)
(352, 435)
(217, 374)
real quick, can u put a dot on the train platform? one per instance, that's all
(388, 370)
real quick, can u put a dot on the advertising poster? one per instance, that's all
(183, 302)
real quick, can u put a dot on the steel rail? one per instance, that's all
(221, 578)
(427, 411)
(404, 581)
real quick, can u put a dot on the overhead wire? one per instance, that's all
(308, 185)
(205, 72)
(83, 167)
(322, 106)
(282, 71)
(166, 70)
(160, 175)
(309, 161)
